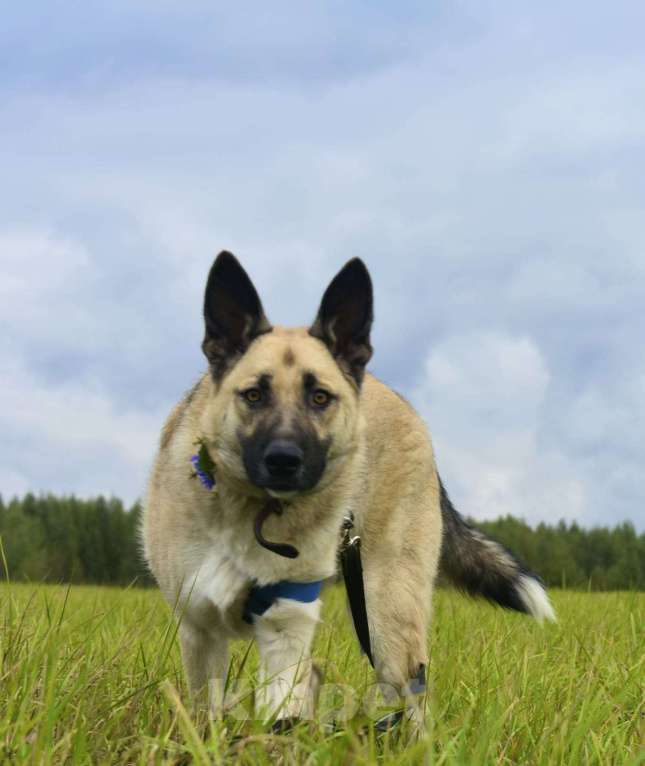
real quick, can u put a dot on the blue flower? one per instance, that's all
(206, 479)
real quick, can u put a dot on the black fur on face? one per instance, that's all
(283, 460)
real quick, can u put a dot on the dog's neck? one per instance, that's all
(204, 468)
(272, 505)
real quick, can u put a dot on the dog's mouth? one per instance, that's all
(284, 490)
(282, 494)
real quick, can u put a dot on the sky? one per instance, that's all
(485, 159)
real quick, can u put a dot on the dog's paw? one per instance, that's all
(284, 725)
(389, 721)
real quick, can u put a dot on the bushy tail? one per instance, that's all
(482, 567)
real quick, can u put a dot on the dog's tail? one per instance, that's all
(482, 567)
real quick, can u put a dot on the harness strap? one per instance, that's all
(262, 597)
(350, 559)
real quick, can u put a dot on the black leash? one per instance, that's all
(350, 559)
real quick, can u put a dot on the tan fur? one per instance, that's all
(200, 544)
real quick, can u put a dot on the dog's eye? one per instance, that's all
(320, 398)
(252, 395)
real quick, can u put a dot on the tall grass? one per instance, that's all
(93, 675)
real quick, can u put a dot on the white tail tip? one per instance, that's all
(535, 599)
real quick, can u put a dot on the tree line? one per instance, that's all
(65, 539)
(46, 538)
(570, 556)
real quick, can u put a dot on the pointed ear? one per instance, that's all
(233, 314)
(345, 318)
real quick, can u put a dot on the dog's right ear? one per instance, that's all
(233, 314)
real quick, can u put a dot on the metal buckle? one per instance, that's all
(348, 524)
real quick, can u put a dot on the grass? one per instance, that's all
(93, 675)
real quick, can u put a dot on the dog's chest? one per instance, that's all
(222, 565)
(215, 581)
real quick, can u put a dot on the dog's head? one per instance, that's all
(284, 412)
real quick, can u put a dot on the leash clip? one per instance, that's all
(347, 526)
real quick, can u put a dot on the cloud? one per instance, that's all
(482, 395)
(42, 278)
(71, 439)
(506, 443)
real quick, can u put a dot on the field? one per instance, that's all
(93, 675)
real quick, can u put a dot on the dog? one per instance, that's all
(283, 437)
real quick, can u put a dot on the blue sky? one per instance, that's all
(485, 160)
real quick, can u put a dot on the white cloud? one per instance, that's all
(42, 275)
(72, 439)
(481, 367)
(482, 395)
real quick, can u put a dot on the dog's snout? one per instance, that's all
(279, 462)
(283, 459)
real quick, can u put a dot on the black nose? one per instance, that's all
(282, 459)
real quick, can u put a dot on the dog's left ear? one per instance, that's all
(345, 318)
(233, 314)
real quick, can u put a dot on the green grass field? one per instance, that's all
(93, 675)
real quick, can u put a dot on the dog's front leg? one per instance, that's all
(205, 656)
(284, 634)
(398, 573)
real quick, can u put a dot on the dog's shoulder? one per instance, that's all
(392, 425)
(178, 413)
(381, 404)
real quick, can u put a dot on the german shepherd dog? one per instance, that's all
(288, 420)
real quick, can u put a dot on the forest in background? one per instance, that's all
(46, 538)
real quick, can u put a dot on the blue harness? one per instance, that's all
(261, 597)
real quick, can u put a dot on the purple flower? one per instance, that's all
(206, 479)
